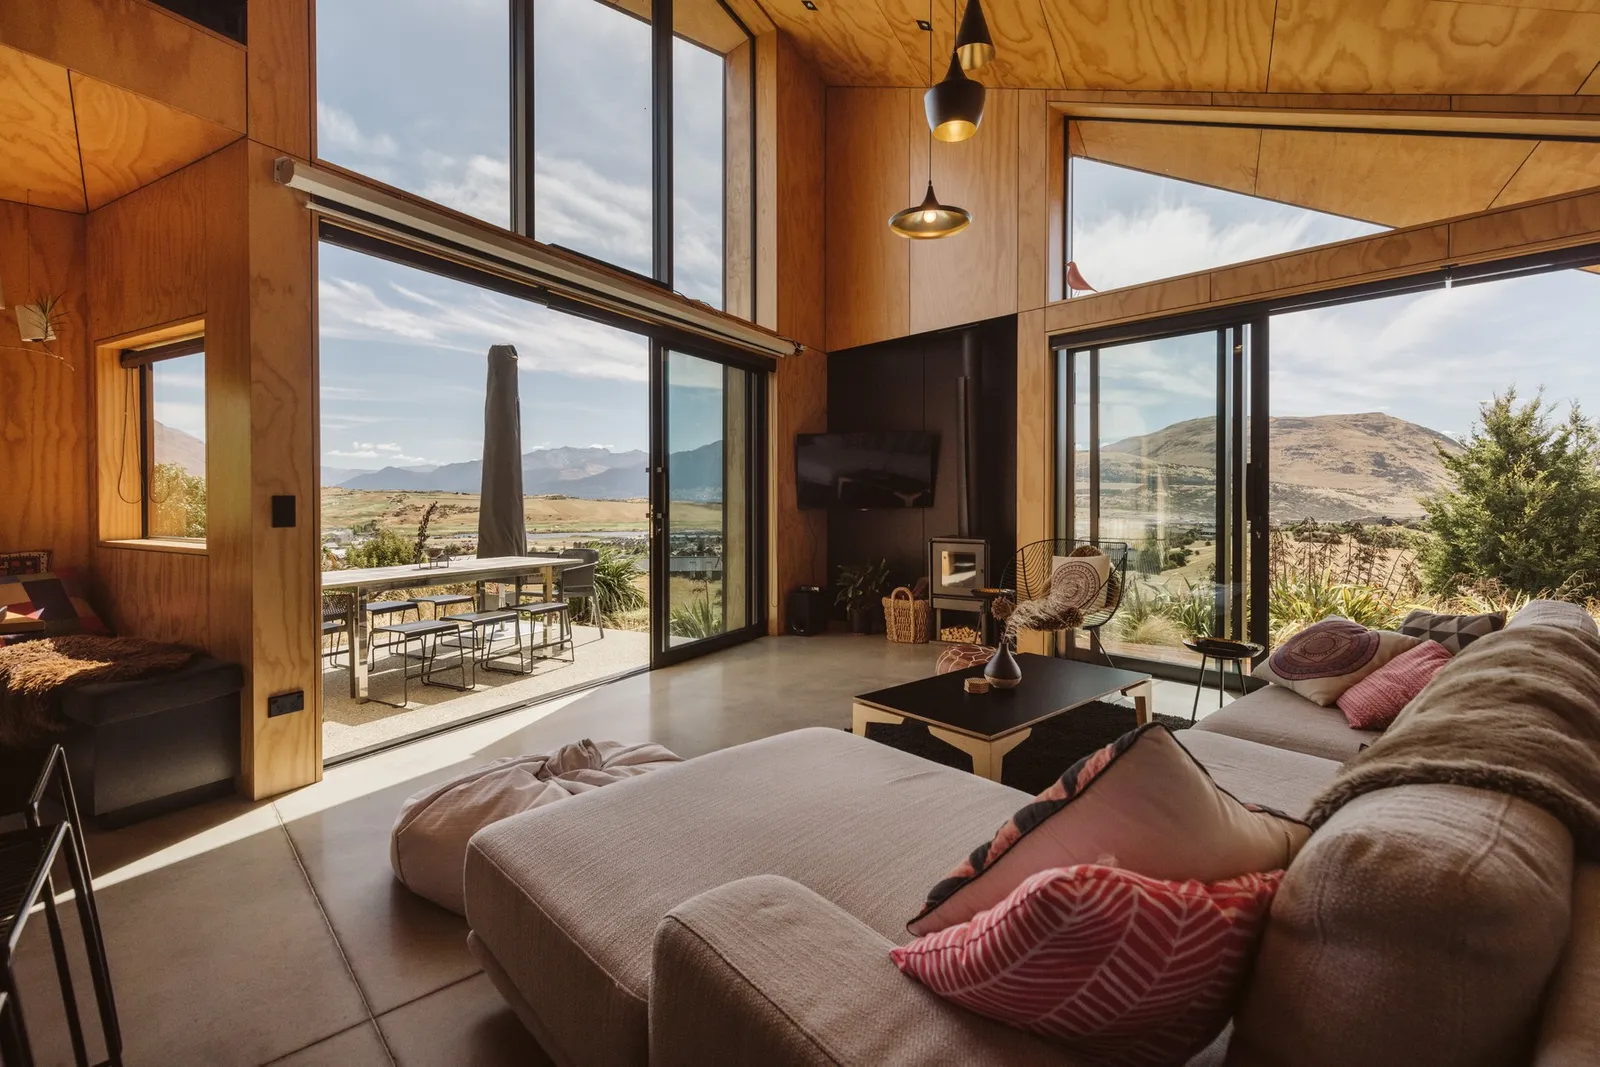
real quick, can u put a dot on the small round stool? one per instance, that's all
(1224, 652)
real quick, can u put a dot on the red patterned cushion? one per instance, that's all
(1142, 803)
(1373, 702)
(1124, 969)
(58, 600)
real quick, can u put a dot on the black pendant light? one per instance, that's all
(955, 105)
(931, 219)
(973, 45)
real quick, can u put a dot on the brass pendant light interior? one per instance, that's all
(974, 46)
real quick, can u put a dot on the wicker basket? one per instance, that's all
(905, 618)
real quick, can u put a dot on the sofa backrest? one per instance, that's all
(1420, 924)
(1569, 1028)
(1552, 613)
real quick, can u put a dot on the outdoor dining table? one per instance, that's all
(359, 583)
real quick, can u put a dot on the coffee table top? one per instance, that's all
(1049, 687)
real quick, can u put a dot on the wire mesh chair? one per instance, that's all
(1027, 577)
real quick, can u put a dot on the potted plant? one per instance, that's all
(858, 589)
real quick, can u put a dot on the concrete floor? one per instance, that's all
(274, 933)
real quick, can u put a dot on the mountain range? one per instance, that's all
(585, 473)
(1328, 467)
(184, 449)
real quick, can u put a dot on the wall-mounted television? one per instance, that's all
(861, 471)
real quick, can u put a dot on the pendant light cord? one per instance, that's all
(930, 86)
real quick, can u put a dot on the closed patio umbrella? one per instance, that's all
(502, 530)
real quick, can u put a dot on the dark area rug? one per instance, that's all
(1033, 765)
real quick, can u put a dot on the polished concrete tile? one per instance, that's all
(463, 1025)
(359, 1046)
(220, 959)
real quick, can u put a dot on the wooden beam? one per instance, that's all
(1035, 436)
(281, 75)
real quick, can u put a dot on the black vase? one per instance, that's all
(862, 620)
(1002, 670)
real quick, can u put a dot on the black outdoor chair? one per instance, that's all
(1028, 576)
(577, 583)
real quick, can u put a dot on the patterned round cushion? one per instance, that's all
(1076, 583)
(960, 657)
(1331, 647)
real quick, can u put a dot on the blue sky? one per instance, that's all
(416, 93)
(1429, 358)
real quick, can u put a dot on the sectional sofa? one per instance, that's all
(740, 907)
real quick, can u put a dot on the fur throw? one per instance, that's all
(1517, 712)
(36, 675)
(1076, 588)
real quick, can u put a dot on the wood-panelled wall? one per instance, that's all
(881, 286)
(44, 401)
(790, 107)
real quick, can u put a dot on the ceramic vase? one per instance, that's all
(1002, 670)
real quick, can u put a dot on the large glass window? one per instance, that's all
(417, 93)
(1436, 450)
(592, 137)
(176, 447)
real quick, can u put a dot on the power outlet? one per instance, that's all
(286, 703)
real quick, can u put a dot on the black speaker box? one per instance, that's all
(807, 611)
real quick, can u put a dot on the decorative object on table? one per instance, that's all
(857, 589)
(905, 618)
(58, 599)
(960, 657)
(1123, 969)
(1029, 579)
(930, 219)
(52, 830)
(977, 685)
(1002, 670)
(1454, 632)
(1326, 658)
(1153, 809)
(1375, 701)
(33, 561)
(1224, 651)
(428, 845)
(435, 559)
(958, 567)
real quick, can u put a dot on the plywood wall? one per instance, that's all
(790, 101)
(881, 286)
(44, 401)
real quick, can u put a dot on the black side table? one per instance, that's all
(27, 858)
(1224, 652)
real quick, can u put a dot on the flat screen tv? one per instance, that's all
(861, 471)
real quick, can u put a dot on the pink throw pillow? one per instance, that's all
(1373, 702)
(1142, 803)
(1124, 969)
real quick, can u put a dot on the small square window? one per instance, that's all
(175, 447)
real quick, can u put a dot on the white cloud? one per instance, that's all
(390, 453)
(477, 185)
(339, 130)
(581, 208)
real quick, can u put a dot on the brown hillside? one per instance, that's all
(186, 450)
(1329, 467)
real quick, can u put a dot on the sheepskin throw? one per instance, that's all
(1077, 587)
(36, 675)
(1517, 712)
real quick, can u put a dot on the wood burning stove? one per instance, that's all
(957, 568)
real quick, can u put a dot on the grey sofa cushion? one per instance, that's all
(1260, 774)
(1273, 715)
(1419, 925)
(567, 897)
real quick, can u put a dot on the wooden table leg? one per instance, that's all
(861, 714)
(1144, 701)
(548, 574)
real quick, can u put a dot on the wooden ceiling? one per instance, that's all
(74, 143)
(1286, 46)
(1388, 179)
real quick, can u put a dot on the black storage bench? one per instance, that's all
(140, 748)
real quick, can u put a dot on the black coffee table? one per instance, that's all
(988, 725)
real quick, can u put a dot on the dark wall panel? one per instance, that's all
(912, 384)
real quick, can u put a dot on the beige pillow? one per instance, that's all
(1323, 660)
(1098, 560)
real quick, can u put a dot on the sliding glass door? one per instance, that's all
(704, 506)
(1153, 450)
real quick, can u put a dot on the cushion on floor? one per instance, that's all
(428, 846)
(567, 897)
(1272, 715)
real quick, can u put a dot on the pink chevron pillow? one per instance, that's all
(1373, 702)
(1126, 970)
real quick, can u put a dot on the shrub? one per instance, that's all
(179, 499)
(385, 548)
(697, 618)
(614, 588)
